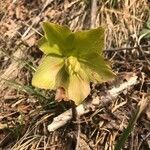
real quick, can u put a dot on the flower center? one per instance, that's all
(72, 65)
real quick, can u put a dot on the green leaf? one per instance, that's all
(89, 41)
(148, 24)
(46, 48)
(56, 35)
(69, 45)
(78, 88)
(62, 78)
(45, 76)
(96, 67)
(145, 33)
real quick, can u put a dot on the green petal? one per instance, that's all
(78, 89)
(45, 76)
(56, 34)
(92, 75)
(89, 41)
(62, 78)
(46, 48)
(96, 67)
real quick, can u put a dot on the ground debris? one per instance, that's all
(24, 115)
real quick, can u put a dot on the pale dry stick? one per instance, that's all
(93, 13)
(15, 1)
(78, 133)
(84, 108)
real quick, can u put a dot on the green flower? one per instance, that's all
(72, 60)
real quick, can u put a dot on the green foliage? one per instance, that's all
(127, 131)
(145, 33)
(141, 107)
(47, 102)
(71, 60)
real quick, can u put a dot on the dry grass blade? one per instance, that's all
(126, 48)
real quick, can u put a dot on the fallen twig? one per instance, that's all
(126, 48)
(86, 107)
(93, 13)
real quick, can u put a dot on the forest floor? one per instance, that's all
(26, 111)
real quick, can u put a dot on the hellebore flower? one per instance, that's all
(72, 60)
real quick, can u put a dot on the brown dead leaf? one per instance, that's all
(3, 126)
(12, 28)
(31, 40)
(21, 12)
(60, 94)
(23, 108)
